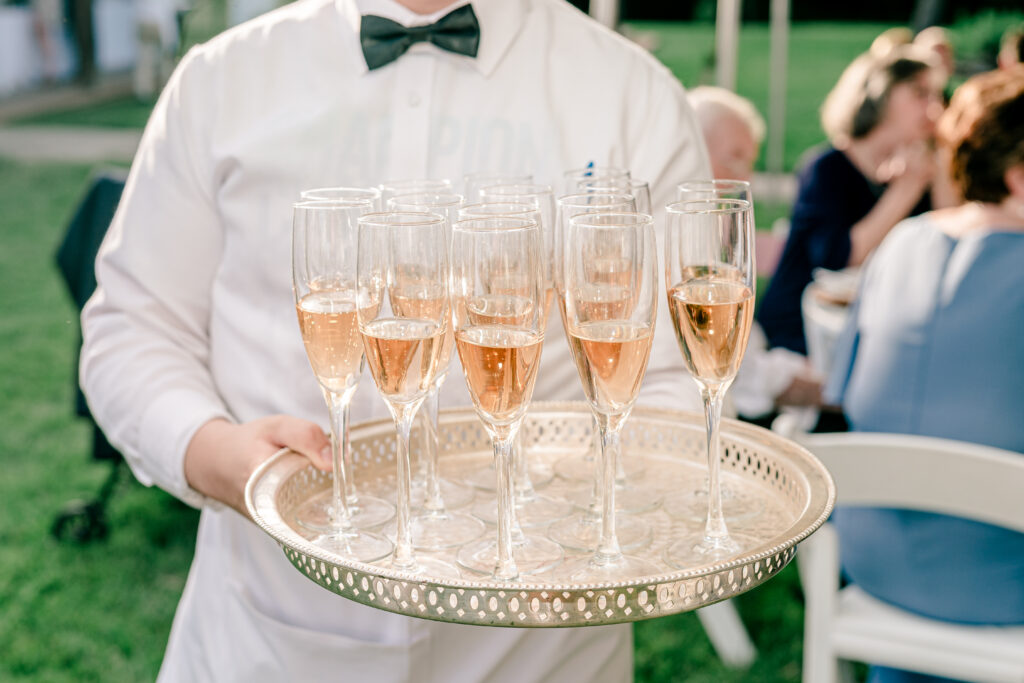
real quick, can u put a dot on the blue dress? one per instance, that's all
(833, 195)
(935, 347)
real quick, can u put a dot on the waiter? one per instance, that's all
(193, 363)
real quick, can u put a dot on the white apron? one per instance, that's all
(240, 620)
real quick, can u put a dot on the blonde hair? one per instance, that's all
(857, 102)
(709, 102)
(932, 37)
(890, 39)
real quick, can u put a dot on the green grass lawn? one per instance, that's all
(67, 613)
(124, 112)
(818, 53)
(102, 612)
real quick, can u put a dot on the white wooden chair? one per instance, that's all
(919, 473)
(727, 634)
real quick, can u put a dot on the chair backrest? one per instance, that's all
(924, 473)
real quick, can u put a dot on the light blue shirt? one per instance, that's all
(935, 346)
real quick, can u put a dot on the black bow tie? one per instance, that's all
(384, 40)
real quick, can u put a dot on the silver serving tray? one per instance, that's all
(790, 487)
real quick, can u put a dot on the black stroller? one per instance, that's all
(84, 521)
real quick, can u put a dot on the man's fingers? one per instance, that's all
(302, 436)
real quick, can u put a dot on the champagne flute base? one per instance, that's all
(535, 512)
(580, 467)
(432, 567)
(454, 494)
(533, 555)
(369, 511)
(318, 513)
(582, 532)
(694, 552)
(361, 546)
(628, 500)
(693, 507)
(484, 478)
(441, 530)
(599, 569)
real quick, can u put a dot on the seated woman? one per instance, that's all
(879, 119)
(934, 349)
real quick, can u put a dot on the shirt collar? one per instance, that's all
(500, 23)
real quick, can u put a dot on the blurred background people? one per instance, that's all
(733, 130)
(157, 36)
(48, 22)
(877, 170)
(890, 39)
(768, 379)
(935, 39)
(1011, 47)
(931, 351)
(80, 17)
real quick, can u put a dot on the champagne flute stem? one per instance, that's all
(404, 415)
(714, 529)
(620, 473)
(520, 470)
(595, 508)
(608, 546)
(433, 502)
(337, 405)
(506, 569)
(351, 495)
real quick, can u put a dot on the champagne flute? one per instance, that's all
(323, 281)
(534, 509)
(720, 188)
(582, 530)
(391, 188)
(345, 194)
(736, 506)
(581, 466)
(582, 179)
(403, 339)
(488, 209)
(474, 182)
(367, 511)
(709, 276)
(499, 335)
(611, 290)
(543, 198)
(435, 527)
(639, 189)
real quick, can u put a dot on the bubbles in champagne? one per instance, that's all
(712, 318)
(500, 364)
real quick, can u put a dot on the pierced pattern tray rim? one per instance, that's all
(284, 464)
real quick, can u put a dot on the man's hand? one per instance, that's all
(221, 456)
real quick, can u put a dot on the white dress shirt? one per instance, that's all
(194, 319)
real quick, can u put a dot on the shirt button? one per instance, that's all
(414, 100)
